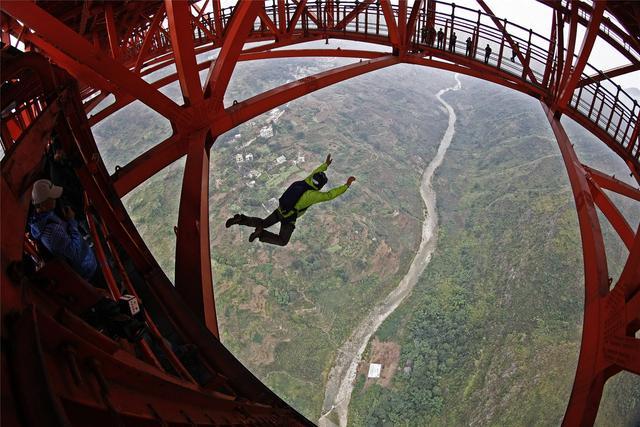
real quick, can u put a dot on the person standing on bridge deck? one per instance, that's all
(514, 51)
(424, 32)
(452, 42)
(487, 53)
(440, 39)
(469, 46)
(293, 204)
(431, 36)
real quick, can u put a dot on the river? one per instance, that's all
(343, 373)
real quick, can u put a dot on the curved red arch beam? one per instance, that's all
(590, 374)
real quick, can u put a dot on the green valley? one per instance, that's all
(491, 332)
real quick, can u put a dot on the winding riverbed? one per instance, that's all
(343, 373)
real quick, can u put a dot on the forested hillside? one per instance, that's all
(491, 333)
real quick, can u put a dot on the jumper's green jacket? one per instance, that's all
(311, 197)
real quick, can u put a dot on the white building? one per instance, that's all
(248, 157)
(239, 158)
(272, 203)
(300, 159)
(266, 132)
(251, 184)
(374, 370)
(280, 160)
(254, 173)
(274, 115)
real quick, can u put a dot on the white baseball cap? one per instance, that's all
(44, 189)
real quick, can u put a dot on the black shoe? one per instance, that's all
(235, 220)
(255, 234)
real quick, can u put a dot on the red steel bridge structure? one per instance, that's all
(59, 371)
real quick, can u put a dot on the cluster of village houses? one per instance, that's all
(245, 158)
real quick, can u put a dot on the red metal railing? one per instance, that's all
(603, 104)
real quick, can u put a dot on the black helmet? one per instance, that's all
(319, 180)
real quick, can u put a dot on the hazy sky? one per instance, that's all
(534, 15)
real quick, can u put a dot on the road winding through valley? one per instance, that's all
(342, 375)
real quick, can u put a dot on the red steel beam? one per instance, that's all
(611, 183)
(124, 100)
(626, 351)
(309, 14)
(632, 311)
(204, 29)
(509, 40)
(615, 36)
(351, 15)
(151, 32)
(564, 71)
(328, 10)
(217, 16)
(78, 52)
(550, 51)
(235, 36)
(559, 50)
(199, 9)
(266, 20)
(629, 281)
(79, 71)
(179, 16)
(591, 373)
(615, 146)
(575, 74)
(296, 15)
(252, 107)
(148, 164)
(621, 348)
(283, 43)
(634, 140)
(112, 32)
(311, 53)
(615, 217)
(402, 23)
(194, 281)
(413, 18)
(5, 34)
(480, 71)
(282, 16)
(608, 74)
(392, 27)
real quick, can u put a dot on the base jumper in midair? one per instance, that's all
(293, 204)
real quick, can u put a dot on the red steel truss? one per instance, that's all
(111, 48)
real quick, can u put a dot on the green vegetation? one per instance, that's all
(491, 331)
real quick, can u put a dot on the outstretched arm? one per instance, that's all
(312, 197)
(323, 167)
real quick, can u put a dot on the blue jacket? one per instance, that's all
(63, 240)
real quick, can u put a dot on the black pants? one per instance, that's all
(287, 225)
